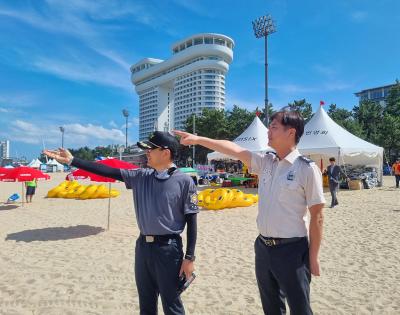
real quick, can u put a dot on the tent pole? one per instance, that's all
(109, 205)
(339, 166)
(22, 193)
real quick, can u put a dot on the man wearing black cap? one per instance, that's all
(165, 200)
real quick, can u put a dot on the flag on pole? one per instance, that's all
(321, 103)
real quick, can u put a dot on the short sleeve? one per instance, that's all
(190, 205)
(256, 163)
(130, 177)
(314, 189)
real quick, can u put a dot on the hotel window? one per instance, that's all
(198, 41)
(189, 43)
(208, 40)
(219, 41)
(376, 94)
(182, 46)
(176, 49)
(386, 92)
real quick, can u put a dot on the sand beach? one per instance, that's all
(57, 258)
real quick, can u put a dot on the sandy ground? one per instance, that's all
(57, 258)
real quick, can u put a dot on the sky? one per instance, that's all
(67, 63)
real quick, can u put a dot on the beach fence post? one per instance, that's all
(109, 205)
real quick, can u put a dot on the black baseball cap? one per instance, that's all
(161, 139)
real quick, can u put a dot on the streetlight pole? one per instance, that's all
(264, 26)
(62, 129)
(194, 132)
(125, 112)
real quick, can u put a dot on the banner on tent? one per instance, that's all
(316, 132)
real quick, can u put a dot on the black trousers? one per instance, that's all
(283, 271)
(397, 180)
(157, 268)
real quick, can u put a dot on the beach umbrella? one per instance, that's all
(22, 174)
(82, 174)
(3, 171)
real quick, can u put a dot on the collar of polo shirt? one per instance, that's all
(292, 156)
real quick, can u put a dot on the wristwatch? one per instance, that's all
(190, 257)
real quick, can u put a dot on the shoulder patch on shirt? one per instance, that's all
(306, 159)
(193, 202)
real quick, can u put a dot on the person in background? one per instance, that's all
(396, 171)
(30, 189)
(334, 171)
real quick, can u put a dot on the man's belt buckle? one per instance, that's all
(269, 242)
(149, 239)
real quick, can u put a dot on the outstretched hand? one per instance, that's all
(186, 137)
(61, 155)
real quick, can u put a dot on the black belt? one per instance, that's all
(159, 238)
(271, 241)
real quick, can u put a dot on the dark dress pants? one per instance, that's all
(334, 187)
(397, 180)
(283, 271)
(157, 268)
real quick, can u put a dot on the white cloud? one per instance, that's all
(195, 7)
(4, 110)
(84, 72)
(81, 20)
(76, 135)
(113, 124)
(135, 121)
(19, 100)
(242, 103)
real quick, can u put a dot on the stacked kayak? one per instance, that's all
(221, 198)
(74, 190)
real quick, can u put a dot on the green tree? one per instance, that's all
(212, 123)
(216, 124)
(304, 108)
(261, 112)
(389, 134)
(393, 100)
(369, 115)
(344, 118)
(238, 120)
(83, 153)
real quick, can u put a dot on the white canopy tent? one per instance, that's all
(323, 138)
(35, 163)
(60, 167)
(254, 139)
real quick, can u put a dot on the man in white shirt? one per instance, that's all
(289, 185)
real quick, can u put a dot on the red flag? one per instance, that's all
(258, 113)
(321, 103)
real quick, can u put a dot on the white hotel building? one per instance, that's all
(192, 79)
